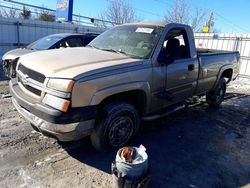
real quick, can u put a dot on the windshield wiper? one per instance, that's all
(116, 51)
(92, 46)
(122, 52)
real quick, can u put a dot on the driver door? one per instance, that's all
(181, 69)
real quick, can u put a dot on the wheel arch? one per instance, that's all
(226, 72)
(136, 94)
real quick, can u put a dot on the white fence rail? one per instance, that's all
(231, 42)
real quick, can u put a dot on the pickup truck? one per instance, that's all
(130, 73)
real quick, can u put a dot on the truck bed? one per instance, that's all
(204, 51)
(211, 63)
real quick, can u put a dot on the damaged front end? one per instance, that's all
(9, 67)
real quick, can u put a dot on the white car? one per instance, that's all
(62, 40)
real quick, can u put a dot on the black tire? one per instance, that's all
(117, 123)
(215, 97)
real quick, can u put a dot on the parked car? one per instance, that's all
(62, 40)
(132, 72)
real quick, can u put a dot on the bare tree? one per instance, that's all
(180, 12)
(118, 12)
(198, 19)
(26, 13)
(210, 22)
(9, 13)
(46, 16)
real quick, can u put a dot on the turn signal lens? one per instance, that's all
(56, 102)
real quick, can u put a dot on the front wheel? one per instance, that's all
(117, 123)
(215, 97)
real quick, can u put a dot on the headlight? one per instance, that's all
(61, 84)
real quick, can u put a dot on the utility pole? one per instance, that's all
(209, 24)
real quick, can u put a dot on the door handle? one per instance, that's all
(191, 67)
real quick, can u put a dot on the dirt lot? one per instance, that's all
(196, 147)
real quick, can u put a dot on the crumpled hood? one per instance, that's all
(71, 62)
(13, 54)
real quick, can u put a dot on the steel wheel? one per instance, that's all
(120, 131)
(220, 93)
(216, 96)
(117, 124)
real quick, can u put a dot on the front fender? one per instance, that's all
(102, 94)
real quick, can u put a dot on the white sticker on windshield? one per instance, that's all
(144, 30)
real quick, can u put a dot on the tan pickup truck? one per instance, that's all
(132, 72)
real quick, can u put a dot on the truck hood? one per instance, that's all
(13, 54)
(72, 62)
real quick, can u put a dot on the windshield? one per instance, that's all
(44, 43)
(132, 40)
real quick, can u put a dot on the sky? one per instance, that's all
(231, 16)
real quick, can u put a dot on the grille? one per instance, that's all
(29, 88)
(32, 74)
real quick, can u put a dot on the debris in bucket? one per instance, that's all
(132, 155)
(127, 154)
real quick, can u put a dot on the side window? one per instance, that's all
(74, 42)
(58, 45)
(88, 39)
(61, 44)
(176, 45)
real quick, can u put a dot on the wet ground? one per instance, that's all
(195, 147)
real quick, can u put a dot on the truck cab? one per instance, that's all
(176, 59)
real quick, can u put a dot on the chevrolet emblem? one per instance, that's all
(24, 78)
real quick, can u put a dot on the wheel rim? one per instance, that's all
(220, 93)
(120, 131)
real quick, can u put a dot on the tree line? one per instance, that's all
(25, 13)
(121, 11)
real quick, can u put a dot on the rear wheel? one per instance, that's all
(117, 123)
(215, 97)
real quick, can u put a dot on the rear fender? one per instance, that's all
(222, 69)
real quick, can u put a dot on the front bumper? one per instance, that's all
(52, 122)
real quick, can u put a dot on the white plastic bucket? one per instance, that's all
(135, 170)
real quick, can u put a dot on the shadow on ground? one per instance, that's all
(195, 147)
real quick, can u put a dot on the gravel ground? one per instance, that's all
(195, 147)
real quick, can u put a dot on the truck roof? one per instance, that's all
(160, 24)
(157, 24)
